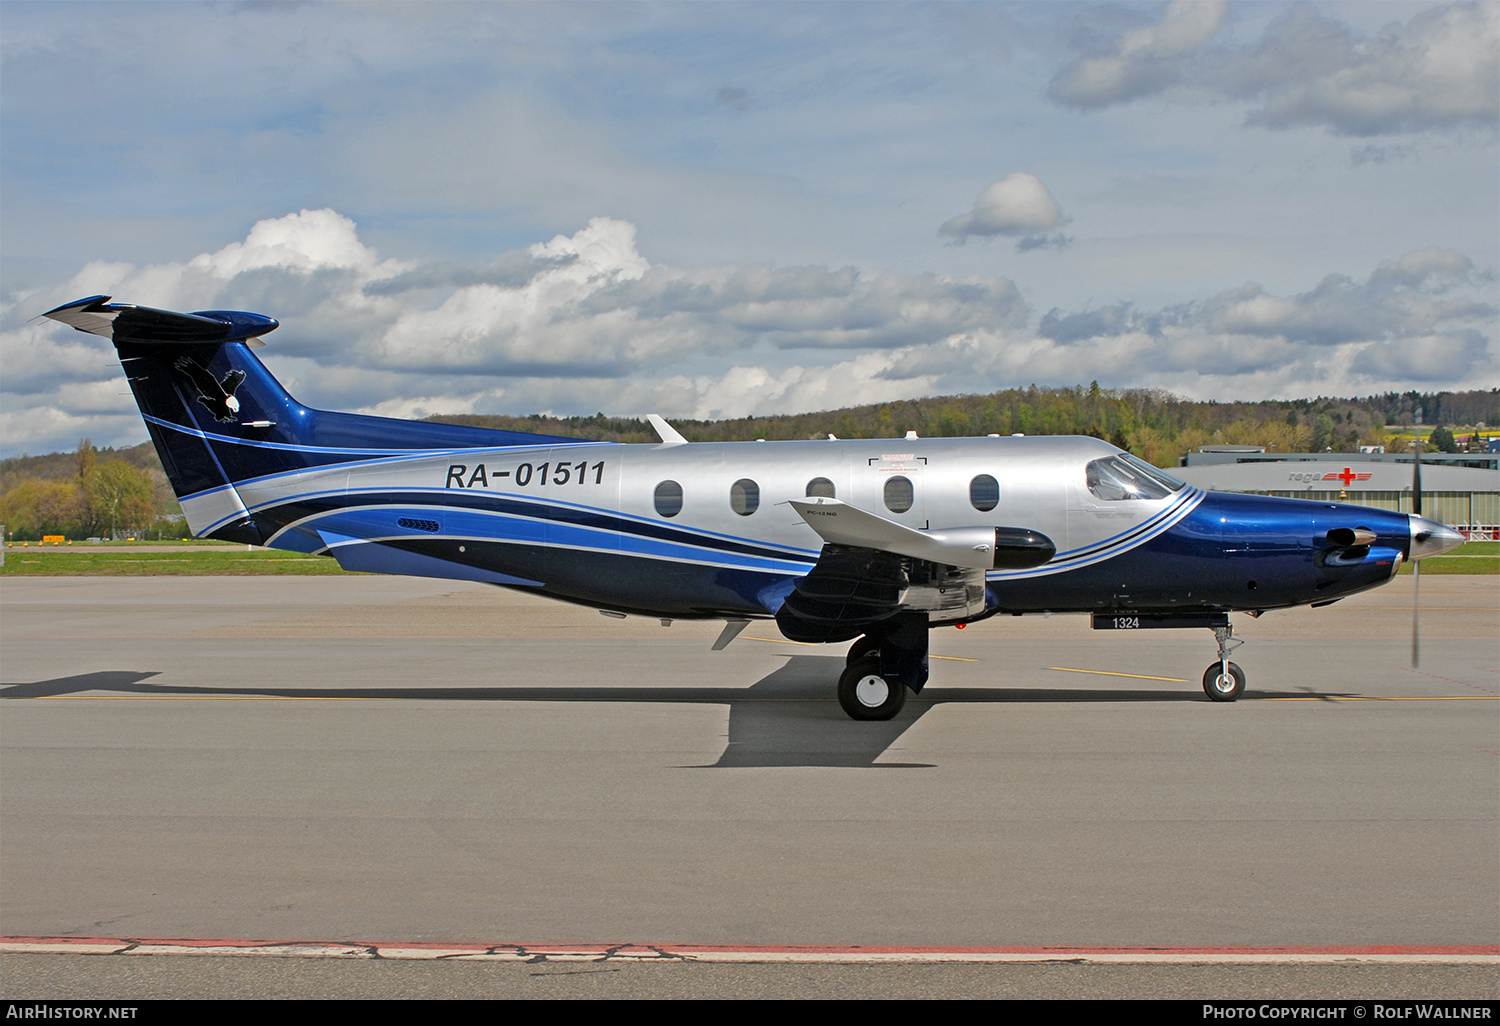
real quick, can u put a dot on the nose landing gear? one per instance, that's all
(1224, 681)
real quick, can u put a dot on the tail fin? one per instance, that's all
(217, 417)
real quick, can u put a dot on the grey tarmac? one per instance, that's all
(364, 758)
(75, 977)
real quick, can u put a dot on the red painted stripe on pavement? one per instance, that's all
(356, 948)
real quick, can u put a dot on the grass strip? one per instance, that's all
(1471, 565)
(1477, 549)
(228, 561)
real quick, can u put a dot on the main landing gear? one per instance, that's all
(865, 694)
(881, 667)
(1224, 681)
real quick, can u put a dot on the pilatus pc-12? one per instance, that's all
(874, 541)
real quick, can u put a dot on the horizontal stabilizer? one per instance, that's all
(125, 322)
(1011, 548)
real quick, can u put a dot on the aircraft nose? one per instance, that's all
(1428, 537)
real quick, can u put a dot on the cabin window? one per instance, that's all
(1122, 477)
(984, 493)
(820, 488)
(898, 494)
(668, 499)
(744, 496)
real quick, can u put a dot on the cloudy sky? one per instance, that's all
(713, 210)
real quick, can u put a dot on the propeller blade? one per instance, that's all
(1416, 565)
(1416, 477)
(1416, 634)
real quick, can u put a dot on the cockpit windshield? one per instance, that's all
(1123, 476)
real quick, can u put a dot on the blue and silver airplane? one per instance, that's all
(875, 541)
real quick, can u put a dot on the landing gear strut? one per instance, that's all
(1224, 681)
(869, 645)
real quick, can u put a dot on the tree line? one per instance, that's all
(95, 495)
(1153, 424)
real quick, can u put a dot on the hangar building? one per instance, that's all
(1460, 490)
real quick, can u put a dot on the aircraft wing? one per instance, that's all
(873, 571)
(985, 548)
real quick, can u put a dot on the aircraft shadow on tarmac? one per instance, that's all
(789, 717)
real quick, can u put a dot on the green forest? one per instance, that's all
(1154, 425)
(93, 492)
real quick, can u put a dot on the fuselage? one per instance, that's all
(703, 529)
(869, 541)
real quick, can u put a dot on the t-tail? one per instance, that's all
(218, 418)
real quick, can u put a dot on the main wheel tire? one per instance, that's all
(1220, 688)
(866, 695)
(864, 646)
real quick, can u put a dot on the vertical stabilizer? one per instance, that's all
(193, 377)
(218, 417)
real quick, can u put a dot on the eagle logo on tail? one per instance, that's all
(215, 393)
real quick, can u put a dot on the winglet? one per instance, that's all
(669, 434)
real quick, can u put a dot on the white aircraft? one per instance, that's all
(872, 540)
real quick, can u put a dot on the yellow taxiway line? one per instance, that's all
(1112, 673)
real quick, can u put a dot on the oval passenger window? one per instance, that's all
(820, 488)
(898, 494)
(668, 499)
(744, 496)
(984, 493)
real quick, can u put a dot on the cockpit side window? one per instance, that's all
(1155, 473)
(1123, 477)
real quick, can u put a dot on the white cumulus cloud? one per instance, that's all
(1018, 204)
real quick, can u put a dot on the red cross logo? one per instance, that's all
(1347, 477)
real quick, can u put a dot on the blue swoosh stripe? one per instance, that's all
(1120, 544)
(556, 516)
(550, 535)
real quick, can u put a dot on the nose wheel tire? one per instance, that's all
(865, 646)
(865, 695)
(1221, 688)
